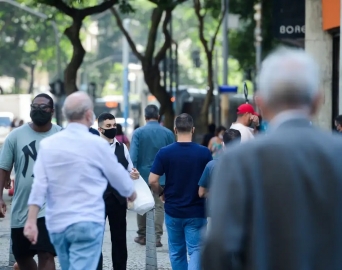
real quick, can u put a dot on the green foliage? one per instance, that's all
(214, 7)
(26, 40)
(185, 33)
(241, 41)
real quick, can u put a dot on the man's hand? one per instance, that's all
(31, 231)
(134, 174)
(255, 120)
(2, 208)
(162, 198)
(132, 197)
(8, 184)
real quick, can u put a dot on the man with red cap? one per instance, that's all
(245, 117)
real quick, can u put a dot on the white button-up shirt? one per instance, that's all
(71, 172)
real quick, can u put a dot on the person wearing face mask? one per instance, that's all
(20, 149)
(246, 116)
(215, 144)
(72, 171)
(115, 204)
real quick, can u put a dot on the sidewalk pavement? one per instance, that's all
(136, 252)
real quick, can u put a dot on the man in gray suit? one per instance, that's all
(276, 201)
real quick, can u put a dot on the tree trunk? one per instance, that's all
(32, 68)
(70, 73)
(208, 99)
(153, 79)
(17, 89)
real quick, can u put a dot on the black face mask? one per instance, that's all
(110, 133)
(40, 117)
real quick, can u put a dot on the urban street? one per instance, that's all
(136, 252)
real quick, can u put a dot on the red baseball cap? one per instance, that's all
(246, 108)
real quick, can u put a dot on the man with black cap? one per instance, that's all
(246, 116)
(145, 144)
(116, 205)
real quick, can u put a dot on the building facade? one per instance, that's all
(322, 40)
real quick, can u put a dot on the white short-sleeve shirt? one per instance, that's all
(246, 132)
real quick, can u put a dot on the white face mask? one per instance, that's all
(220, 136)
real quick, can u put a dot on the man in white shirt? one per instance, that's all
(116, 205)
(71, 172)
(245, 117)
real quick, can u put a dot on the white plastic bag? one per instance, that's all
(144, 201)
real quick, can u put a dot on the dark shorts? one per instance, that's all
(22, 248)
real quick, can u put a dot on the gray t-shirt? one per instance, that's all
(20, 148)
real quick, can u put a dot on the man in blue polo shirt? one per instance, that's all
(182, 163)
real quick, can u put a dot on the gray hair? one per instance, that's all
(289, 78)
(76, 105)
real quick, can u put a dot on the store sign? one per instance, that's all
(289, 19)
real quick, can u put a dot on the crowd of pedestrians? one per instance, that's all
(272, 200)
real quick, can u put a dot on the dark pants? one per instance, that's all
(116, 213)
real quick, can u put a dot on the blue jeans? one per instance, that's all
(185, 234)
(79, 246)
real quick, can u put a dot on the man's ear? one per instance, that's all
(193, 130)
(175, 130)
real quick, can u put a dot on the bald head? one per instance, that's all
(78, 107)
(289, 79)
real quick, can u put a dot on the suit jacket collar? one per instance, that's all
(290, 118)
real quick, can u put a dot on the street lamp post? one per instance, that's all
(225, 44)
(53, 23)
(258, 37)
(125, 62)
(223, 99)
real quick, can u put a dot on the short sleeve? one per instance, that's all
(157, 167)
(208, 155)
(204, 180)
(7, 153)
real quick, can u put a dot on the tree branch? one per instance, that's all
(126, 34)
(200, 17)
(168, 39)
(7, 20)
(213, 40)
(152, 35)
(61, 6)
(98, 8)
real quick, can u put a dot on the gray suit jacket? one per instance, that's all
(276, 203)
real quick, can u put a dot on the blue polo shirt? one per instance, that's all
(183, 164)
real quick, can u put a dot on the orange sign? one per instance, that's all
(151, 98)
(331, 14)
(111, 104)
